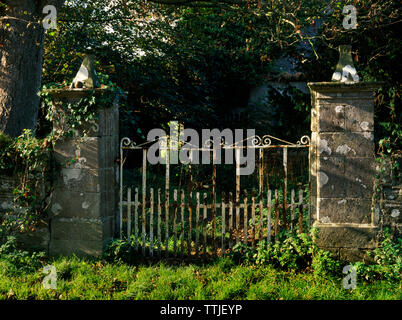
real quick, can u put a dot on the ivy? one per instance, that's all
(30, 162)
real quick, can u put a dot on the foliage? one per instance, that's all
(289, 252)
(388, 261)
(95, 279)
(18, 261)
(120, 250)
(65, 118)
(29, 160)
(196, 63)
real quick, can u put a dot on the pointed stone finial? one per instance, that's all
(345, 69)
(86, 76)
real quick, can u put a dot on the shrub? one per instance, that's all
(289, 252)
(17, 261)
(388, 260)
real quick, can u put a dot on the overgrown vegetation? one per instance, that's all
(279, 273)
(30, 162)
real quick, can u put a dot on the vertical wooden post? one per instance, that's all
(276, 213)
(230, 220)
(285, 185)
(245, 218)
(128, 213)
(292, 208)
(237, 150)
(167, 201)
(214, 201)
(159, 223)
(190, 208)
(253, 218)
(223, 208)
(269, 207)
(151, 223)
(197, 219)
(182, 223)
(136, 205)
(121, 193)
(174, 222)
(300, 210)
(204, 225)
(261, 188)
(144, 199)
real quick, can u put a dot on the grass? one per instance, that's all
(97, 279)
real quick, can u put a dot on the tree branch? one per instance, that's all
(198, 2)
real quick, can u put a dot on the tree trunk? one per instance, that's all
(21, 55)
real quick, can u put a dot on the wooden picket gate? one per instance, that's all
(173, 222)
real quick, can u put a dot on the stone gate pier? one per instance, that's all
(343, 167)
(84, 200)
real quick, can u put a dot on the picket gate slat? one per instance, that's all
(174, 222)
(223, 210)
(245, 211)
(128, 213)
(204, 225)
(269, 205)
(300, 210)
(292, 209)
(159, 223)
(230, 220)
(136, 205)
(182, 223)
(151, 223)
(197, 224)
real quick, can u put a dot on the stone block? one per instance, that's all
(69, 204)
(346, 236)
(81, 248)
(86, 180)
(330, 118)
(359, 178)
(353, 255)
(392, 211)
(349, 144)
(331, 177)
(88, 152)
(77, 229)
(360, 116)
(393, 193)
(344, 211)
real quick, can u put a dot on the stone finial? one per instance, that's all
(86, 76)
(345, 69)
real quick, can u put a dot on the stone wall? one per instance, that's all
(36, 240)
(388, 196)
(343, 167)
